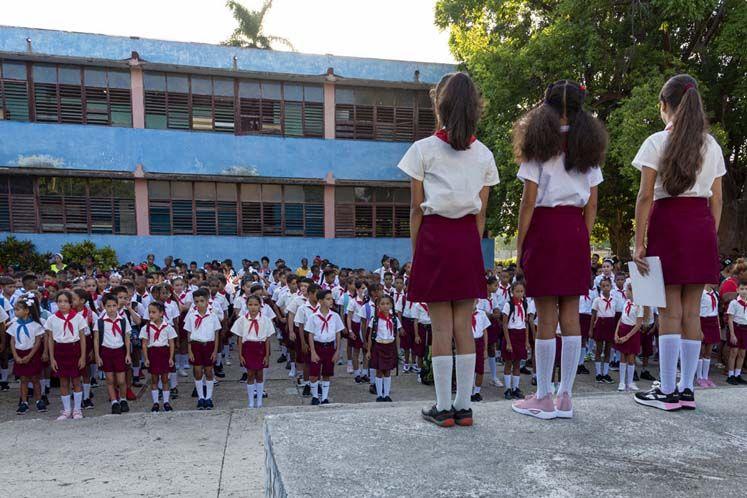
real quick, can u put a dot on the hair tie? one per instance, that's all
(688, 86)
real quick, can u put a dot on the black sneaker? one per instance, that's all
(380, 399)
(306, 390)
(124, 406)
(265, 394)
(534, 381)
(657, 399)
(635, 376)
(364, 378)
(525, 371)
(517, 393)
(200, 404)
(45, 399)
(599, 379)
(463, 417)
(94, 382)
(687, 399)
(155, 408)
(357, 379)
(87, 404)
(314, 401)
(607, 379)
(614, 365)
(174, 393)
(194, 392)
(30, 392)
(41, 406)
(646, 375)
(740, 380)
(4, 386)
(324, 402)
(288, 366)
(167, 407)
(387, 399)
(243, 378)
(209, 404)
(282, 359)
(372, 389)
(220, 374)
(476, 398)
(443, 418)
(23, 407)
(116, 409)
(582, 370)
(508, 394)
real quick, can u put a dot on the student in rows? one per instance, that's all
(422, 332)
(357, 333)
(736, 320)
(202, 327)
(111, 344)
(516, 315)
(603, 331)
(492, 339)
(385, 328)
(158, 346)
(628, 340)
(710, 324)
(324, 328)
(407, 339)
(480, 327)
(584, 312)
(82, 304)
(297, 336)
(254, 331)
(26, 344)
(365, 313)
(299, 318)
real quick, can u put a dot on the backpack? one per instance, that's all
(122, 325)
(512, 308)
(375, 326)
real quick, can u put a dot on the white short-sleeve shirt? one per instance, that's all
(25, 336)
(605, 307)
(158, 336)
(3, 316)
(385, 332)
(304, 312)
(517, 320)
(708, 304)
(486, 306)
(201, 328)
(738, 310)
(256, 329)
(68, 330)
(113, 333)
(652, 150)
(631, 313)
(480, 322)
(421, 313)
(452, 179)
(324, 328)
(585, 302)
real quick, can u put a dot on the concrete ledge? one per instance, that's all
(612, 447)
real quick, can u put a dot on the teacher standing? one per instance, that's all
(451, 173)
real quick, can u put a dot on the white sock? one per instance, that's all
(669, 351)
(581, 356)
(250, 394)
(689, 353)
(379, 387)
(173, 380)
(568, 362)
(293, 369)
(154, 396)
(507, 380)
(545, 351)
(357, 373)
(350, 363)
(699, 369)
(86, 391)
(65, 402)
(731, 373)
(442, 368)
(493, 367)
(315, 389)
(465, 376)
(476, 390)
(260, 389)
(200, 391)
(77, 400)
(4, 374)
(737, 372)
(515, 381)
(598, 367)
(631, 374)
(166, 395)
(706, 367)
(387, 386)
(325, 390)
(623, 372)
(371, 375)
(605, 368)
(210, 384)
(160, 384)
(94, 371)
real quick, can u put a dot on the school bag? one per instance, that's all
(512, 308)
(122, 326)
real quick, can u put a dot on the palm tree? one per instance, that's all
(249, 32)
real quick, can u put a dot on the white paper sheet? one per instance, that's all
(648, 290)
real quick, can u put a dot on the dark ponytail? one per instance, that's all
(537, 135)
(683, 155)
(458, 106)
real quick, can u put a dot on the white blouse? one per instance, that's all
(558, 187)
(25, 336)
(257, 329)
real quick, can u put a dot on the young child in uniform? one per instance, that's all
(584, 314)
(515, 314)
(628, 340)
(711, 327)
(365, 313)
(736, 320)
(411, 361)
(492, 339)
(648, 340)
(202, 327)
(356, 333)
(82, 303)
(158, 338)
(324, 328)
(308, 307)
(111, 345)
(254, 331)
(27, 347)
(382, 355)
(603, 331)
(297, 335)
(480, 324)
(422, 332)
(67, 352)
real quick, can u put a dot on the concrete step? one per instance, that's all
(611, 447)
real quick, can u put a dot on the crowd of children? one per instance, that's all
(65, 329)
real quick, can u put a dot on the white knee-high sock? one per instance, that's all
(198, 387)
(210, 385)
(706, 367)
(325, 389)
(689, 352)
(260, 389)
(581, 356)
(250, 394)
(699, 369)
(442, 368)
(65, 402)
(465, 376)
(515, 381)
(568, 363)
(630, 374)
(623, 372)
(387, 385)
(77, 400)
(507, 380)
(173, 380)
(545, 354)
(86, 391)
(493, 367)
(669, 350)
(379, 387)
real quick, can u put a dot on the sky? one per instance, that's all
(387, 29)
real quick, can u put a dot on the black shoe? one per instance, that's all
(476, 398)
(174, 393)
(463, 417)
(4, 386)
(599, 379)
(508, 394)
(607, 379)
(41, 406)
(525, 371)
(358, 379)
(116, 409)
(534, 381)
(314, 401)
(582, 370)
(194, 392)
(306, 390)
(517, 393)
(200, 404)
(740, 380)
(220, 374)
(288, 366)
(387, 399)
(635, 376)
(124, 406)
(364, 378)
(45, 399)
(265, 395)
(23, 407)
(209, 404)
(732, 381)
(687, 399)
(31, 392)
(380, 399)
(646, 375)
(243, 378)
(282, 359)
(94, 382)
(615, 365)
(657, 399)
(167, 407)
(372, 389)
(87, 404)
(443, 418)
(155, 408)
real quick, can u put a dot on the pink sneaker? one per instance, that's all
(702, 383)
(64, 415)
(710, 383)
(77, 414)
(564, 406)
(542, 408)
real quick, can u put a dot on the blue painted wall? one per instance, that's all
(92, 147)
(354, 253)
(88, 45)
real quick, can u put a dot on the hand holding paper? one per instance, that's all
(648, 290)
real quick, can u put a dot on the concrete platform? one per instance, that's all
(612, 447)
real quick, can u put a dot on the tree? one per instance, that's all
(622, 51)
(249, 33)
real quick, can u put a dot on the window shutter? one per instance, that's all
(155, 109)
(271, 113)
(14, 100)
(344, 121)
(97, 106)
(76, 205)
(314, 220)
(401, 221)
(313, 119)
(227, 218)
(385, 123)
(123, 197)
(71, 103)
(364, 221)
(183, 216)
(364, 120)
(202, 112)
(177, 110)
(384, 219)
(22, 204)
(121, 107)
(4, 204)
(294, 219)
(426, 124)
(45, 102)
(272, 219)
(224, 114)
(405, 124)
(293, 125)
(344, 220)
(251, 218)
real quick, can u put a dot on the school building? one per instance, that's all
(206, 151)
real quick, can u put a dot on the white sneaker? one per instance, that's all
(496, 382)
(227, 361)
(183, 373)
(406, 367)
(415, 369)
(64, 415)
(77, 414)
(621, 386)
(350, 369)
(633, 387)
(291, 374)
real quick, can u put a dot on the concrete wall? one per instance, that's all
(358, 253)
(92, 147)
(88, 45)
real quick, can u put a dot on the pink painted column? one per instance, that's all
(329, 105)
(137, 91)
(329, 206)
(141, 201)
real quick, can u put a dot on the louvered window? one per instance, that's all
(14, 93)
(372, 212)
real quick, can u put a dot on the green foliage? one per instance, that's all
(83, 253)
(23, 255)
(622, 51)
(249, 33)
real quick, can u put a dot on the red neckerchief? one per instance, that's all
(490, 304)
(94, 296)
(158, 330)
(628, 305)
(388, 320)
(519, 306)
(199, 318)
(325, 321)
(587, 295)
(313, 309)
(254, 324)
(397, 296)
(608, 302)
(742, 302)
(115, 326)
(712, 295)
(504, 290)
(445, 136)
(68, 320)
(182, 297)
(425, 307)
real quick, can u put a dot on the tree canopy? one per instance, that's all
(249, 33)
(622, 51)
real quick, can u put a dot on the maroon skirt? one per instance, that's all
(113, 359)
(253, 353)
(325, 367)
(90, 355)
(158, 356)
(67, 356)
(556, 252)
(741, 332)
(424, 334)
(682, 233)
(448, 264)
(202, 351)
(647, 342)
(518, 346)
(632, 345)
(480, 355)
(301, 357)
(407, 338)
(494, 332)
(604, 329)
(357, 339)
(711, 332)
(585, 321)
(385, 356)
(34, 365)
